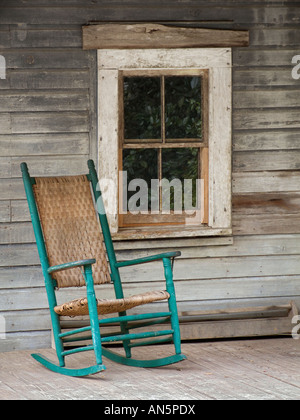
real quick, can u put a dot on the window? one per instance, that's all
(162, 136)
(164, 119)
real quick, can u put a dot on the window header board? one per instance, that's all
(151, 35)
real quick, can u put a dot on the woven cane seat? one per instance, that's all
(107, 306)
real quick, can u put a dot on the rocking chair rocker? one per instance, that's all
(72, 253)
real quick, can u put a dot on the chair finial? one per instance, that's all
(24, 167)
(91, 164)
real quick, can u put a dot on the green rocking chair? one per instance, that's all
(76, 250)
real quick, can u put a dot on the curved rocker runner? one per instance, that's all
(72, 253)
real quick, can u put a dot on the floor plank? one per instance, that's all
(256, 369)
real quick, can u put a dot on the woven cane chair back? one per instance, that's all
(70, 227)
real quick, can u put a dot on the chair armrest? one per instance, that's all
(68, 265)
(149, 259)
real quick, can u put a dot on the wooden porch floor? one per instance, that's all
(263, 369)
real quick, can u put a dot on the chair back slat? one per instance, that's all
(70, 227)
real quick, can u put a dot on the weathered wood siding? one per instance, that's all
(48, 118)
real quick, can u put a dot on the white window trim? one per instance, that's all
(218, 62)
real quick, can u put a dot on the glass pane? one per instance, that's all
(183, 107)
(142, 109)
(141, 167)
(180, 167)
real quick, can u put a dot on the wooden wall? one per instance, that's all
(48, 118)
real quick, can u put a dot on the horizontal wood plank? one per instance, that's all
(50, 165)
(23, 36)
(13, 277)
(266, 99)
(283, 37)
(11, 233)
(12, 101)
(257, 119)
(46, 79)
(49, 122)
(266, 140)
(268, 77)
(44, 144)
(266, 181)
(265, 224)
(151, 3)
(53, 59)
(25, 340)
(266, 161)
(159, 36)
(11, 189)
(17, 321)
(264, 57)
(267, 203)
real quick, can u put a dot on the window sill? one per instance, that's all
(169, 232)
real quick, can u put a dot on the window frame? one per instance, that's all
(217, 61)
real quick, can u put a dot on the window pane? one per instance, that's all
(183, 107)
(181, 167)
(142, 108)
(141, 167)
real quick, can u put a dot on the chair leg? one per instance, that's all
(91, 297)
(119, 295)
(124, 330)
(172, 304)
(57, 340)
(55, 321)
